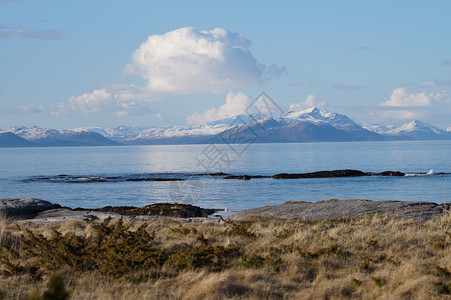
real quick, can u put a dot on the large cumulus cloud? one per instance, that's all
(190, 61)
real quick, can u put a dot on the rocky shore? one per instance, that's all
(335, 208)
(22, 209)
(37, 210)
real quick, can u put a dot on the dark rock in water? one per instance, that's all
(322, 174)
(245, 177)
(90, 180)
(155, 179)
(212, 174)
(161, 209)
(242, 177)
(390, 173)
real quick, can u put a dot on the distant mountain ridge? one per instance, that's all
(310, 125)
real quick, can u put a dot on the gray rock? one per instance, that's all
(23, 206)
(418, 211)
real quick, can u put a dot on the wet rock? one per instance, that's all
(161, 209)
(242, 177)
(23, 206)
(390, 173)
(155, 179)
(246, 177)
(212, 174)
(322, 174)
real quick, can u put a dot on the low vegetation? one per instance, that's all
(257, 258)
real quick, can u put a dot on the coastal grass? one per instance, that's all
(256, 258)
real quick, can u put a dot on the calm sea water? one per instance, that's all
(33, 172)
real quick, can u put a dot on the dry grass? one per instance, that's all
(258, 258)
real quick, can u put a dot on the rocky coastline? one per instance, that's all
(36, 210)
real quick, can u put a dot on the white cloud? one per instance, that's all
(310, 101)
(404, 105)
(400, 97)
(236, 104)
(181, 61)
(119, 98)
(190, 61)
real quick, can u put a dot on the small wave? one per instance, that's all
(431, 172)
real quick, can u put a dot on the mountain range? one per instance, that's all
(311, 125)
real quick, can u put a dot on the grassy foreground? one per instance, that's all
(257, 258)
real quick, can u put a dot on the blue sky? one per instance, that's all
(66, 64)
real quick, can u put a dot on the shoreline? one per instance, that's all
(37, 210)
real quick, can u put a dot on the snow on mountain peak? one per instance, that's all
(378, 128)
(315, 115)
(32, 132)
(415, 126)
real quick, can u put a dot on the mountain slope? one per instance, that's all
(347, 128)
(58, 138)
(10, 140)
(417, 130)
(311, 125)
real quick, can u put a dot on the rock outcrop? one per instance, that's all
(329, 209)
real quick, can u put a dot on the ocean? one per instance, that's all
(93, 177)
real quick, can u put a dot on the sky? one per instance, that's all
(68, 64)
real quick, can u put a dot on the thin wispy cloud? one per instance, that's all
(40, 35)
(24, 109)
(446, 63)
(362, 48)
(349, 87)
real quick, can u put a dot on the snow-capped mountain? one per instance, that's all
(317, 116)
(418, 130)
(340, 122)
(59, 137)
(119, 134)
(171, 135)
(309, 125)
(448, 129)
(378, 128)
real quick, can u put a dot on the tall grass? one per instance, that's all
(257, 258)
